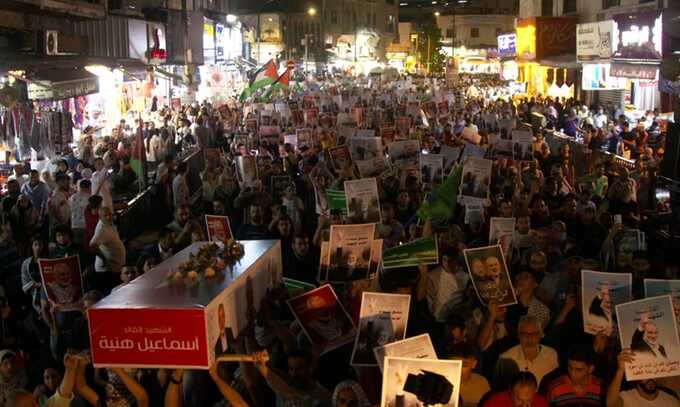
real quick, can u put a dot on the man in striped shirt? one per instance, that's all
(578, 387)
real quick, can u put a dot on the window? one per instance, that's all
(474, 32)
(547, 8)
(569, 6)
(449, 33)
(610, 3)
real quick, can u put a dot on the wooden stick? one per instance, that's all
(242, 358)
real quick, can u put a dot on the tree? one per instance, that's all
(430, 47)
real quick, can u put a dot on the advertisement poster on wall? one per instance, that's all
(594, 41)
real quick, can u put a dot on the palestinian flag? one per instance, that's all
(264, 77)
(282, 82)
(138, 156)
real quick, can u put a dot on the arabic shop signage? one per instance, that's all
(506, 45)
(637, 37)
(63, 90)
(543, 37)
(632, 71)
(594, 41)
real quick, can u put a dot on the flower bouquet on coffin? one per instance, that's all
(210, 262)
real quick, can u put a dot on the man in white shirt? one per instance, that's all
(110, 250)
(59, 210)
(600, 119)
(446, 285)
(530, 355)
(101, 184)
(77, 203)
(645, 393)
(180, 188)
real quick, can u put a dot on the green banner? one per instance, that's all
(421, 251)
(337, 200)
(296, 287)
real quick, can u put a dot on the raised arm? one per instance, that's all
(135, 388)
(232, 396)
(173, 395)
(614, 390)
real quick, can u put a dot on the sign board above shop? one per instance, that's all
(594, 41)
(506, 45)
(638, 37)
(633, 71)
(599, 77)
(543, 37)
(59, 84)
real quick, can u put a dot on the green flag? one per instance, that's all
(421, 251)
(337, 200)
(444, 198)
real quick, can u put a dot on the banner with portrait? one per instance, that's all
(600, 293)
(382, 320)
(476, 180)
(489, 275)
(63, 282)
(350, 248)
(363, 202)
(657, 287)
(323, 318)
(648, 328)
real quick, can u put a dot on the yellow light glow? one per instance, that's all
(311, 11)
(526, 42)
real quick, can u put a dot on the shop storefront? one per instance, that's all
(637, 41)
(477, 61)
(221, 75)
(546, 49)
(594, 51)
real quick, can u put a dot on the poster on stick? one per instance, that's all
(382, 320)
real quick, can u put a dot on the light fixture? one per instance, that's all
(231, 18)
(437, 14)
(311, 11)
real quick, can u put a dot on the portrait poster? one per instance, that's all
(450, 155)
(420, 251)
(270, 134)
(291, 139)
(502, 148)
(365, 148)
(372, 167)
(363, 203)
(340, 157)
(403, 125)
(628, 241)
(366, 133)
(523, 145)
(501, 232)
(246, 170)
(251, 126)
(404, 153)
(62, 281)
(472, 150)
(218, 228)
(323, 318)
(325, 261)
(657, 287)
(432, 168)
(304, 138)
(387, 134)
(350, 248)
(407, 382)
(476, 179)
(489, 275)
(382, 320)
(279, 183)
(649, 329)
(600, 293)
(415, 347)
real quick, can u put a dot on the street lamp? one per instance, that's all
(310, 12)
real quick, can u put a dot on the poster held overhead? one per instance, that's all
(63, 282)
(600, 293)
(489, 275)
(648, 328)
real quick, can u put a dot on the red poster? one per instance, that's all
(218, 228)
(323, 318)
(148, 337)
(62, 281)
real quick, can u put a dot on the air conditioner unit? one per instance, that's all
(54, 43)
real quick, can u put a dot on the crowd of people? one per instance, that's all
(569, 217)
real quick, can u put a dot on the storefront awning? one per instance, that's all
(61, 83)
(562, 61)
